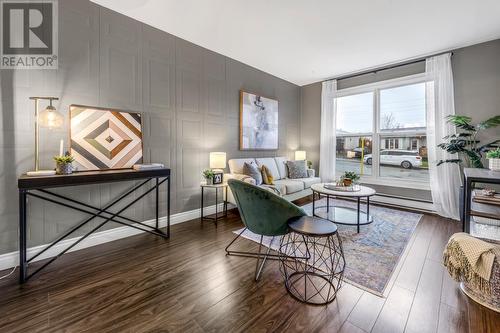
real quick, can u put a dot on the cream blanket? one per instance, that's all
(469, 259)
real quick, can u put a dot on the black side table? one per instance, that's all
(312, 260)
(217, 187)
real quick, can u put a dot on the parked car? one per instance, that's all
(407, 159)
(358, 150)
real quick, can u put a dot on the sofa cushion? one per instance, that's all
(251, 169)
(270, 163)
(281, 164)
(297, 169)
(309, 181)
(289, 186)
(267, 177)
(236, 164)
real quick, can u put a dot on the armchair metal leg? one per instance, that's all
(249, 254)
(258, 269)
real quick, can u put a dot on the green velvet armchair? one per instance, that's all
(263, 213)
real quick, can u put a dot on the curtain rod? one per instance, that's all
(383, 68)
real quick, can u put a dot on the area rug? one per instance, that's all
(372, 255)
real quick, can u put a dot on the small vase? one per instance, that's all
(494, 164)
(347, 182)
(64, 168)
(210, 181)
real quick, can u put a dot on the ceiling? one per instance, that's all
(305, 41)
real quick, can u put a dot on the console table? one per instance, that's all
(38, 187)
(472, 176)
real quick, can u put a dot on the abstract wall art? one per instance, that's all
(105, 138)
(258, 122)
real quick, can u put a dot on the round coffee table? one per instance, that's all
(344, 215)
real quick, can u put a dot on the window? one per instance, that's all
(381, 130)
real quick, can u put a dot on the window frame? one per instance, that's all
(377, 134)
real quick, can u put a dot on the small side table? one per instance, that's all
(224, 192)
(312, 260)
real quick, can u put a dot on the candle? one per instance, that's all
(61, 144)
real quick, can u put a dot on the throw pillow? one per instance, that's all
(267, 177)
(297, 169)
(251, 169)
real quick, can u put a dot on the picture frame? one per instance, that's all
(258, 122)
(218, 178)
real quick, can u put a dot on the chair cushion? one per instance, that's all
(281, 164)
(297, 169)
(251, 169)
(267, 177)
(289, 186)
(236, 164)
(270, 163)
(309, 181)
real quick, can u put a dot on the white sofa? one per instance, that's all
(290, 189)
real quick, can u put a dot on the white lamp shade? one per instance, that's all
(217, 160)
(300, 155)
(51, 118)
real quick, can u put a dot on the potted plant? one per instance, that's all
(494, 159)
(63, 164)
(349, 177)
(208, 174)
(465, 143)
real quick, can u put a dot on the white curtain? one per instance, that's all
(444, 179)
(328, 141)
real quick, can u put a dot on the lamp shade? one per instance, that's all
(300, 155)
(217, 160)
(51, 118)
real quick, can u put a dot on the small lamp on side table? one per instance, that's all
(218, 164)
(300, 155)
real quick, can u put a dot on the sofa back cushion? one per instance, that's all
(270, 163)
(236, 164)
(281, 164)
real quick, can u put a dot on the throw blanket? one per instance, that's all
(470, 259)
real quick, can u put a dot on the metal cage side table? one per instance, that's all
(312, 260)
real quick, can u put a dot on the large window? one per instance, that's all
(381, 131)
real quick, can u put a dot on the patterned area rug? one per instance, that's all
(372, 255)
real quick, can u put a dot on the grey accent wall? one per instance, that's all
(476, 71)
(189, 97)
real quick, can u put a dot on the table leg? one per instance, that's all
(467, 205)
(327, 204)
(157, 205)
(22, 237)
(168, 206)
(314, 203)
(225, 201)
(367, 209)
(216, 205)
(201, 210)
(359, 203)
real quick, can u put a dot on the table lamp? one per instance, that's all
(49, 118)
(300, 155)
(218, 164)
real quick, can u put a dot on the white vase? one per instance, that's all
(494, 164)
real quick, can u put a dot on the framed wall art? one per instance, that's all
(103, 138)
(258, 122)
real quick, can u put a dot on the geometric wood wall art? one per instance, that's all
(104, 138)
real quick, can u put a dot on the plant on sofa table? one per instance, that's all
(208, 174)
(63, 164)
(494, 159)
(465, 143)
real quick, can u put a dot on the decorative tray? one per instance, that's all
(335, 187)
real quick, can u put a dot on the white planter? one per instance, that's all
(494, 164)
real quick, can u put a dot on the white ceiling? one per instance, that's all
(305, 41)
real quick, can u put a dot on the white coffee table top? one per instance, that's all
(363, 192)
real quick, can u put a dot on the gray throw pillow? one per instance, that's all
(252, 170)
(297, 169)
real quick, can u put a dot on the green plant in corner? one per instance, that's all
(208, 174)
(65, 159)
(493, 153)
(465, 143)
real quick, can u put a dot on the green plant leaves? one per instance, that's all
(490, 123)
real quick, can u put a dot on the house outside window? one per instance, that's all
(381, 131)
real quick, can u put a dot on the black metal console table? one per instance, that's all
(472, 176)
(38, 187)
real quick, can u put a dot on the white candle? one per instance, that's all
(61, 144)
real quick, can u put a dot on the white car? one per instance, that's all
(407, 159)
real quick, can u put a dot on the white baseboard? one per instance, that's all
(11, 259)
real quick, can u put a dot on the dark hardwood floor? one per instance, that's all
(187, 284)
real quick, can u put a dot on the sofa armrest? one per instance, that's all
(238, 176)
(311, 173)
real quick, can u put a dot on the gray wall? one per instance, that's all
(476, 71)
(189, 97)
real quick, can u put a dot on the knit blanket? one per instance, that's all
(470, 259)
